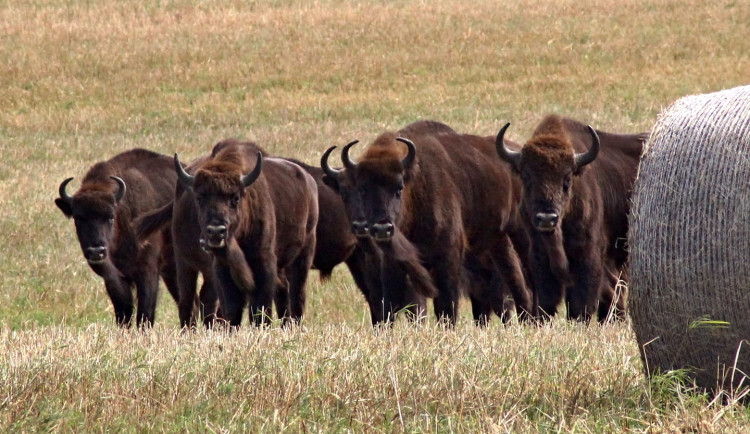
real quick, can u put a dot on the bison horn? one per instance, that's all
(120, 188)
(63, 194)
(186, 180)
(252, 176)
(587, 157)
(348, 163)
(324, 164)
(512, 157)
(411, 155)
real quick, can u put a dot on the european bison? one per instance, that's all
(577, 185)
(428, 195)
(258, 219)
(114, 193)
(180, 219)
(334, 243)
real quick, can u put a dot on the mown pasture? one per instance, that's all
(81, 81)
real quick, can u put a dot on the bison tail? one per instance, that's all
(406, 254)
(325, 275)
(421, 280)
(153, 221)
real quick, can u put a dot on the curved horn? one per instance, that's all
(324, 164)
(584, 158)
(121, 188)
(185, 178)
(348, 163)
(252, 176)
(409, 159)
(63, 194)
(512, 157)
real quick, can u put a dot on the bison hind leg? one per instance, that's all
(297, 274)
(281, 299)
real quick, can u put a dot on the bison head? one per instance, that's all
(93, 210)
(219, 190)
(372, 189)
(548, 166)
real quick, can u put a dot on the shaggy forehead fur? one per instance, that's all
(222, 174)
(383, 157)
(554, 151)
(94, 201)
(550, 145)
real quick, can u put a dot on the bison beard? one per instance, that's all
(405, 255)
(552, 245)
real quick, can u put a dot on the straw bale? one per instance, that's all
(689, 241)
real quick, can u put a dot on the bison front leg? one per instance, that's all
(281, 299)
(121, 297)
(508, 264)
(479, 289)
(550, 274)
(583, 296)
(146, 280)
(147, 288)
(209, 300)
(262, 295)
(168, 273)
(365, 269)
(612, 296)
(231, 298)
(186, 303)
(481, 311)
(447, 272)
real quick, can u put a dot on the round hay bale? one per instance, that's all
(689, 241)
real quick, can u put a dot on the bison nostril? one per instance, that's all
(546, 220)
(383, 230)
(96, 254)
(219, 231)
(216, 237)
(360, 228)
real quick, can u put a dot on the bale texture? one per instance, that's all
(689, 241)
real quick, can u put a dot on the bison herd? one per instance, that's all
(424, 213)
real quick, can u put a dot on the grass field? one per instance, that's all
(82, 81)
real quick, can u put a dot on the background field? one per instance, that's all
(81, 81)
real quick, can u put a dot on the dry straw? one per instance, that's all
(690, 241)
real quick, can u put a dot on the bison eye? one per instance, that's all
(235, 200)
(566, 185)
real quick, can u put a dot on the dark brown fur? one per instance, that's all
(270, 241)
(335, 243)
(180, 219)
(580, 258)
(150, 182)
(458, 198)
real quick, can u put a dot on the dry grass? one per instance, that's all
(81, 81)
(516, 379)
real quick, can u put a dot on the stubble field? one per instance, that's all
(82, 81)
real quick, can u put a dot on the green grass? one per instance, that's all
(81, 81)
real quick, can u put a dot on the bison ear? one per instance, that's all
(331, 182)
(64, 207)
